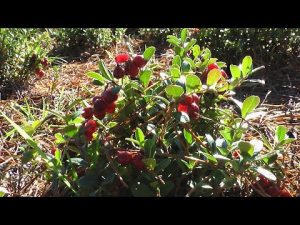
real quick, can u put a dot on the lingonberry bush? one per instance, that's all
(178, 131)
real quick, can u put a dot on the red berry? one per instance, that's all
(45, 62)
(188, 99)
(212, 66)
(121, 58)
(111, 108)
(273, 191)
(100, 115)
(236, 154)
(137, 161)
(139, 61)
(53, 150)
(224, 74)
(119, 72)
(100, 105)
(124, 157)
(264, 182)
(196, 98)
(284, 193)
(109, 96)
(96, 98)
(182, 108)
(40, 73)
(88, 135)
(88, 113)
(90, 126)
(193, 107)
(194, 115)
(131, 69)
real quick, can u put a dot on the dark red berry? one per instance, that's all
(264, 182)
(193, 115)
(284, 193)
(100, 105)
(131, 69)
(111, 107)
(99, 115)
(88, 135)
(236, 154)
(109, 96)
(212, 66)
(193, 107)
(40, 73)
(45, 62)
(96, 98)
(188, 99)
(273, 191)
(182, 108)
(137, 161)
(224, 74)
(88, 113)
(53, 150)
(90, 126)
(121, 58)
(124, 157)
(196, 98)
(119, 72)
(139, 61)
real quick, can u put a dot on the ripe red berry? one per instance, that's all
(90, 126)
(131, 69)
(124, 157)
(264, 182)
(188, 99)
(193, 115)
(121, 58)
(139, 61)
(88, 135)
(236, 154)
(45, 62)
(224, 74)
(96, 98)
(137, 161)
(100, 105)
(53, 150)
(100, 115)
(193, 107)
(40, 73)
(182, 107)
(119, 72)
(212, 66)
(88, 113)
(111, 108)
(196, 98)
(284, 193)
(273, 191)
(109, 96)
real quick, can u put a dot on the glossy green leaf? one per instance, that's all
(246, 66)
(149, 52)
(249, 105)
(145, 77)
(235, 72)
(213, 77)
(174, 91)
(193, 82)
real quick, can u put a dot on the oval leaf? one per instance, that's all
(281, 132)
(148, 53)
(213, 77)
(174, 91)
(145, 77)
(193, 82)
(246, 148)
(235, 72)
(249, 105)
(246, 66)
(266, 173)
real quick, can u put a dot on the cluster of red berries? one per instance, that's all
(90, 127)
(40, 72)
(209, 68)
(189, 105)
(125, 157)
(127, 66)
(271, 189)
(105, 103)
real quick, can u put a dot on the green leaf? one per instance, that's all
(246, 148)
(175, 73)
(166, 188)
(182, 117)
(176, 61)
(188, 136)
(190, 45)
(59, 139)
(174, 91)
(246, 65)
(281, 132)
(88, 181)
(70, 130)
(287, 141)
(145, 77)
(183, 35)
(29, 139)
(210, 157)
(235, 72)
(196, 51)
(193, 82)
(150, 147)
(266, 173)
(213, 77)
(104, 72)
(96, 76)
(150, 163)
(249, 105)
(185, 67)
(211, 142)
(141, 190)
(174, 42)
(148, 53)
(139, 136)
(98, 83)
(163, 164)
(78, 161)
(2, 194)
